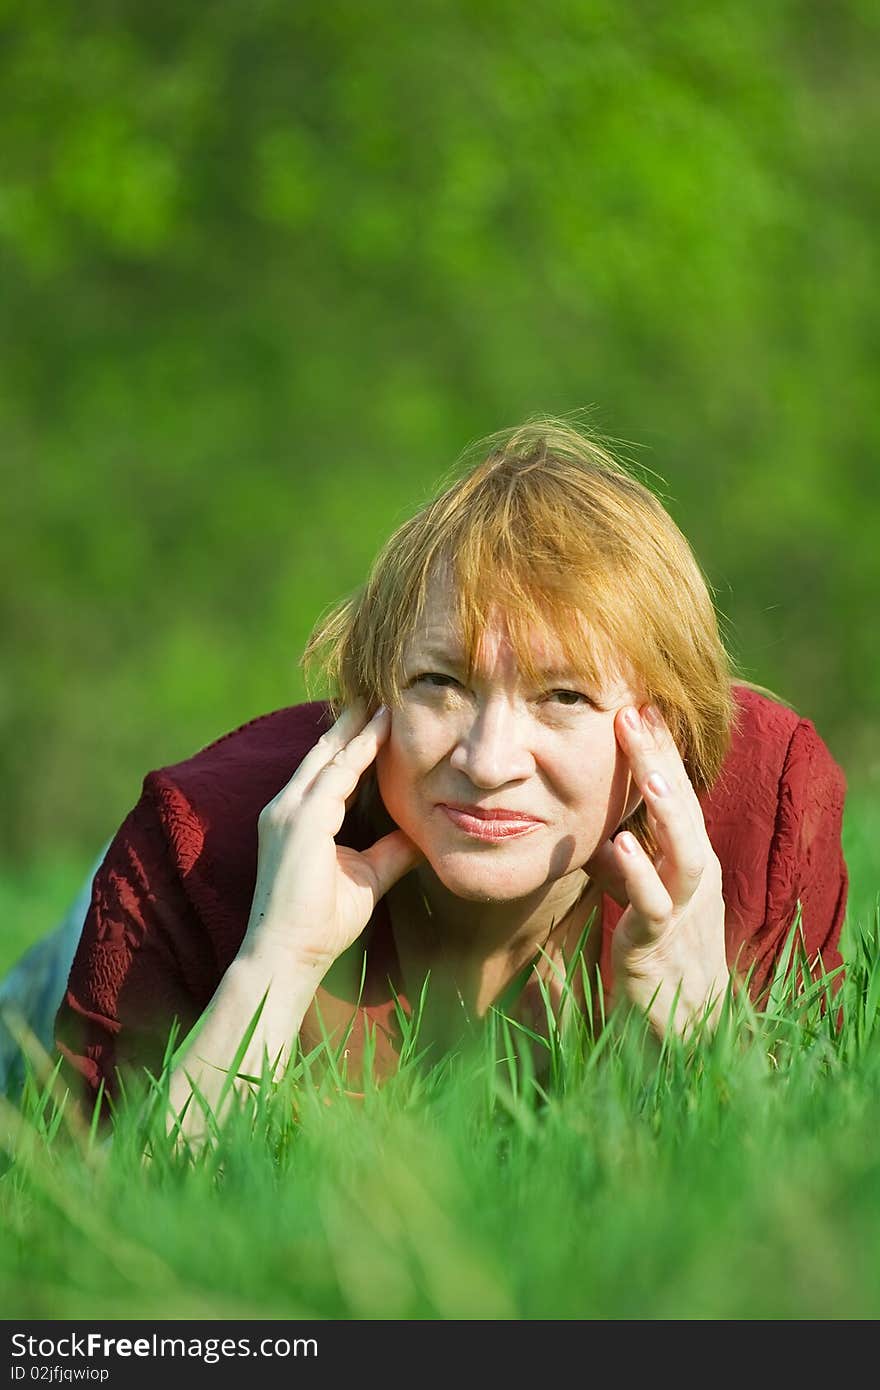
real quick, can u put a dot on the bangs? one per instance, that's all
(548, 619)
(547, 538)
(535, 547)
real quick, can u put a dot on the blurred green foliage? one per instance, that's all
(267, 268)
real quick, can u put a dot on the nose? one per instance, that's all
(492, 749)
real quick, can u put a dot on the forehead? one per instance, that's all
(442, 634)
(439, 634)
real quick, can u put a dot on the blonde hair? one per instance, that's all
(548, 528)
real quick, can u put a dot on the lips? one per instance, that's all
(489, 823)
(490, 812)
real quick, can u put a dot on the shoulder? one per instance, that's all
(169, 903)
(259, 755)
(775, 756)
(774, 818)
(780, 756)
(248, 763)
(209, 803)
(779, 785)
(762, 725)
(772, 746)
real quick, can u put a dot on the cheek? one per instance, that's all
(406, 757)
(390, 775)
(599, 791)
(619, 788)
(619, 768)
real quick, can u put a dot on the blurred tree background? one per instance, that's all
(268, 267)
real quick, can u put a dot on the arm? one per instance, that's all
(805, 862)
(671, 935)
(140, 940)
(312, 899)
(264, 977)
(127, 980)
(668, 948)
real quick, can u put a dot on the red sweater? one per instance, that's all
(171, 900)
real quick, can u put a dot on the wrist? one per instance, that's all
(280, 949)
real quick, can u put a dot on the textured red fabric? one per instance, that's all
(171, 900)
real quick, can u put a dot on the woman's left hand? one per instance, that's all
(668, 948)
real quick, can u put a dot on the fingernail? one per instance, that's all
(383, 709)
(657, 784)
(631, 718)
(627, 842)
(653, 716)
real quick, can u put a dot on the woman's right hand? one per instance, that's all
(312, 897)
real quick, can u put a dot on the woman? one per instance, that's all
(538, 728)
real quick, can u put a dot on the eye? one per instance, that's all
(570, 699)
(438, 680)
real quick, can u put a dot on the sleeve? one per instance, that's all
(806, 863)
(126, 984)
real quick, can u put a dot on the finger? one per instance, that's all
(390, 858)
(350, 726)
(356, 757)
(335, 785)
(352, 719)
(361, 782)
(674, 812)
(650, 748)
(651, 905)
(684, 850)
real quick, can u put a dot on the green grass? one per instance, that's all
(734, 1178)
(737, 1177)
(33, 900)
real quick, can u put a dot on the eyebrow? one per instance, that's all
(455, 656)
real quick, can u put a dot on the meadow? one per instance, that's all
(266, 271)
(734, 1177)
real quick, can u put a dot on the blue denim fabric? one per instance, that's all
(33, 989)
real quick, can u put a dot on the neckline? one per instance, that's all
(384, 984)
(386, 959)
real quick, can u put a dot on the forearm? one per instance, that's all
(285, 987)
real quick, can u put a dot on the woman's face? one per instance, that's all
(504, 786)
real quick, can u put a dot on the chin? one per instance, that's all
(479, 882)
